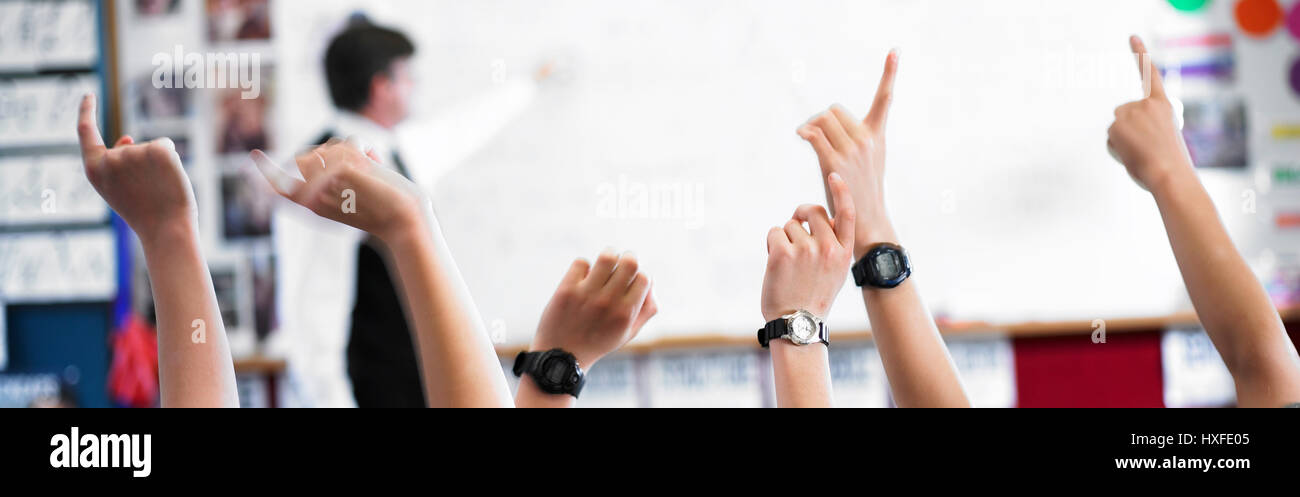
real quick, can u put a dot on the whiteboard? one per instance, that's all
(1000, 187)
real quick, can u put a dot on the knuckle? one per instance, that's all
(641, 279)
(565, 294)
(629, 264)
(828, 251)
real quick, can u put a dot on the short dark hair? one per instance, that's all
(356, 55)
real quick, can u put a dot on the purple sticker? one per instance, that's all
(1295, 76)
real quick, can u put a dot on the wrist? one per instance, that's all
(817, 310)
(1173, 179)
(404, 233)
(168, 234)
(872, 232)
(586, 358)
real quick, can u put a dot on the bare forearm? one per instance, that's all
(194, 364)
(1231, 304)
(801, 374)
(457, 360)
(920, 371)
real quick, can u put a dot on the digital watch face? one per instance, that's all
(888, 266)
(556, 371)
(803, 329)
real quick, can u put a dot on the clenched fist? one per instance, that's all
(1145, 134)
(807, 268)
(144, 183)
(597, 308)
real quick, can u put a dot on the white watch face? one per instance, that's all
(803, 329)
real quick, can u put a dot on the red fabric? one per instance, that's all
(133, 377)
(1071, 371)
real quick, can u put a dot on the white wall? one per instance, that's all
(998, 177)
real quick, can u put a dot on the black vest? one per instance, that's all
(381, 356)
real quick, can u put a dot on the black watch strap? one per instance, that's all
(779, 327)
(531, 363)
(525, 362)
(859, 270)
(773, 330)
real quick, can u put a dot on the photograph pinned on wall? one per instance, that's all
(156, 8)
(225, 283)
(150, 101)
(1216, 132)
(246, 204)
(262, 267)
(230, 20)
(244, 124)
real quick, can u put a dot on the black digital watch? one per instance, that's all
(884, 266)
(554, 371)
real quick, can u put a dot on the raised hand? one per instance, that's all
(856, 150)
(1145, 135)
(144, 183)
(1230, 302)
(915, 359)
(807, 268)
(147, 186)
(346, 183)
(596, 309)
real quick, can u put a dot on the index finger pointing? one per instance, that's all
(1152, 85)
(88, 128)
(884, 94)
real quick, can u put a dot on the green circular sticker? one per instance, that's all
(1188, 5)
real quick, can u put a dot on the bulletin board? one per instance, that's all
(213, 129)
(58, 257)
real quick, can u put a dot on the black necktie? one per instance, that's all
(397, 163)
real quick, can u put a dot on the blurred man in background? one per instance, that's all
(368, 70)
